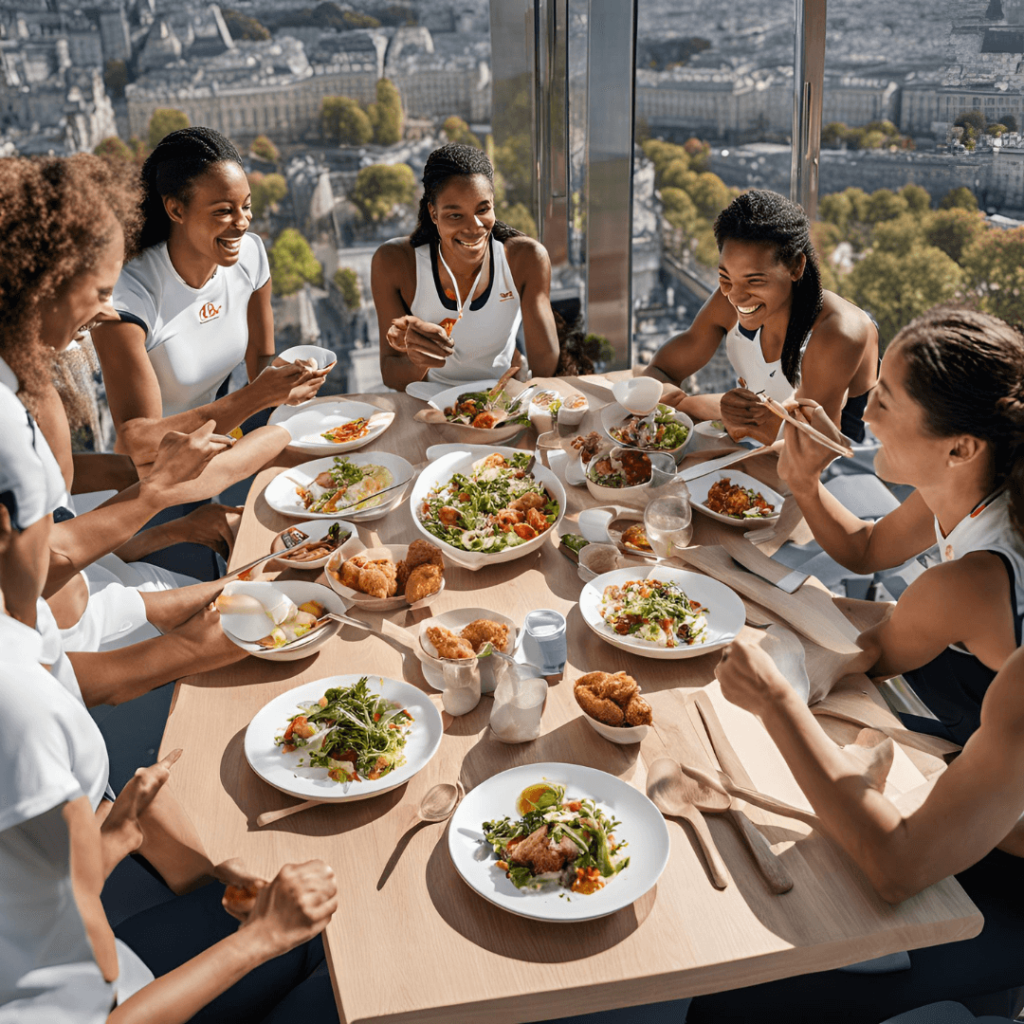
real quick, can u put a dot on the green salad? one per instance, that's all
(497, 505)
(353, 733)
(345, 483)
(655, 611)
(483, 410)
(568, 842)
(658, 432)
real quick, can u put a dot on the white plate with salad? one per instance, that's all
(662, 612)
(751, 501)
(319, 489)
(330, 424)
(622, 856)
(306, 771)
(461, 501)
(473, 414)
(665, 430)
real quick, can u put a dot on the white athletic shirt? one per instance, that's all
(485, 337)
(748, 361)
(195, 337)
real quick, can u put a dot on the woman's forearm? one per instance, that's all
(702, 407)
(840, 533)
(95, 471)
(398, 371)
(145, 542)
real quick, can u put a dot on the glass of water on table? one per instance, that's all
(668, 523)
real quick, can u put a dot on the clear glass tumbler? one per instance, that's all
(668, 523)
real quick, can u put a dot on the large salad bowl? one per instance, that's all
(440, 472)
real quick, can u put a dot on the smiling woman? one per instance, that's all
(784, 335)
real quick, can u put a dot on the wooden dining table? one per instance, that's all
(411, 940)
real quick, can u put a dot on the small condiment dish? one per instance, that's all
(315, 529)
(573, 409)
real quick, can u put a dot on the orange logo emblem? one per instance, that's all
(208, 311)
(505, 296)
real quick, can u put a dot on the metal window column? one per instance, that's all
(808, 85)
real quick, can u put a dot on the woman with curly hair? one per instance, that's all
(193, 302)
(784, 334)
(451, 296)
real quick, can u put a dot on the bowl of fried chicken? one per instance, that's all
(462, 634)
(385, 578)
(613, 707)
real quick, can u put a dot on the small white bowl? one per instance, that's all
(315, 528)
(540, 410)
(299, 591)
(396, 552)
(573, 409)
(638, 493)
(623, 735)
(614, 416)
(455, 621)
(638, 395)
(324, 356)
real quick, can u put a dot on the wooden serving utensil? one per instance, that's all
(838, 444)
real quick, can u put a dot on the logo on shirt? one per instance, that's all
(208, 311)
(505, 296)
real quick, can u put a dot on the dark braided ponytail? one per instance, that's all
(966, 371)
(763, 216)
(452, 161)
(171, 169)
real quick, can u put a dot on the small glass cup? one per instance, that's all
(668, 523)
(461, 685)
(544, 641)
(518, 707)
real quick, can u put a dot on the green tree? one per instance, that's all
(709, 194)
(457, 130)
(706, 250)
(356, 19)
(895, 289)
(858, 200)
(115, 77)
(1011, 122)
(386, 117)
(899, 235)
(698, 152)
(266, 189)
(834, 134)
(974, 119)
(679, 210)
(885, 205)
(113, 148)
(346, 280)
(661, 154)
(678, 175)
(164, 121)
(342, 120)
(514, 159)
(995, 272)
(919, 199)
(836, 208)
(518, 216)
(996, 130)
(863, 138)
(292, 262)
(953, 231)
(379, 188)
(263, 149)
(241, 26)
(959, 198)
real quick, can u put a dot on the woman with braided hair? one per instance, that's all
(451, 296)
(193, 303)
(785, 336)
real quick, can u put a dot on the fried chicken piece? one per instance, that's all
(373, 582)
(350, 570)
(401, 575)
(612, 699)
(599, 708)
(449, 645)
(480, 631)
(529, 500)
(540, 855)
(618, 687)
(638, 711)
(389, 569)
(422, 551)
(423, 581)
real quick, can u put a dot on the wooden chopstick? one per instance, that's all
(784, 414)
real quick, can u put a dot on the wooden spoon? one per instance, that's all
(672, 793)
(719, 780)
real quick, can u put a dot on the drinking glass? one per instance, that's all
(668, 523)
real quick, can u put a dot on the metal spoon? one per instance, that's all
(672, 793)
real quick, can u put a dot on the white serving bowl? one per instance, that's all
(306, 422)
(324, 356)
(465, 432)
(280, 493)
(315, 528)
(299, 591)
(725, 612)
(573, 409)
(638, 494)
(443, 469)
(613, 416)
(455, 621)
(699, 494)
(396, 552)
(639, 395)
(540, 410)
(617, 734)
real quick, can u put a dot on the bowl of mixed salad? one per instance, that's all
(473, 414)
(662, 612)
(735, 498)
(345, 486)
(664, 430)
(486, 509)
(343, 738)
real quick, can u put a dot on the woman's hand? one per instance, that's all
(673, 397)
(745, 415)
(289, 384)
(295, 906)
(215, 649)
(214, 526)
(242, 887)
(749, 677)
(427, 345)
(182, 457)
(803, 460)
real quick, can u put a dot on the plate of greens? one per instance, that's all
(473, 414)
(664, 430)
(343, 738)
(588, 843)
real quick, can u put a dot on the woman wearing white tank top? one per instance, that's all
(784, 334)
(451, 296)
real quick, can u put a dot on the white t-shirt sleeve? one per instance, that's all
(29, 475)
(255, 261)
(136, 292)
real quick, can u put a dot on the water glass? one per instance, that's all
(518, 707)
(544, 641)
(668, 523)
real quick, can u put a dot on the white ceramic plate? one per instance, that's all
(315, 528)
(443, 469)
(613, 416)
(396, 552)
(282, 771)
(299, 591)
(642, 826)
(455, 621)
(699, 494)
(463, 431)
(724, 610)
(281, 496)
(308, 421)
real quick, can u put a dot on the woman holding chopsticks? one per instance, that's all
(784, 334)
(451, 296)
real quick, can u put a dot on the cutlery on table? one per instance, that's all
(713, 465)
(294, 546)
(711, 800)
(670, 792)
(397, 632)
(757, 562)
